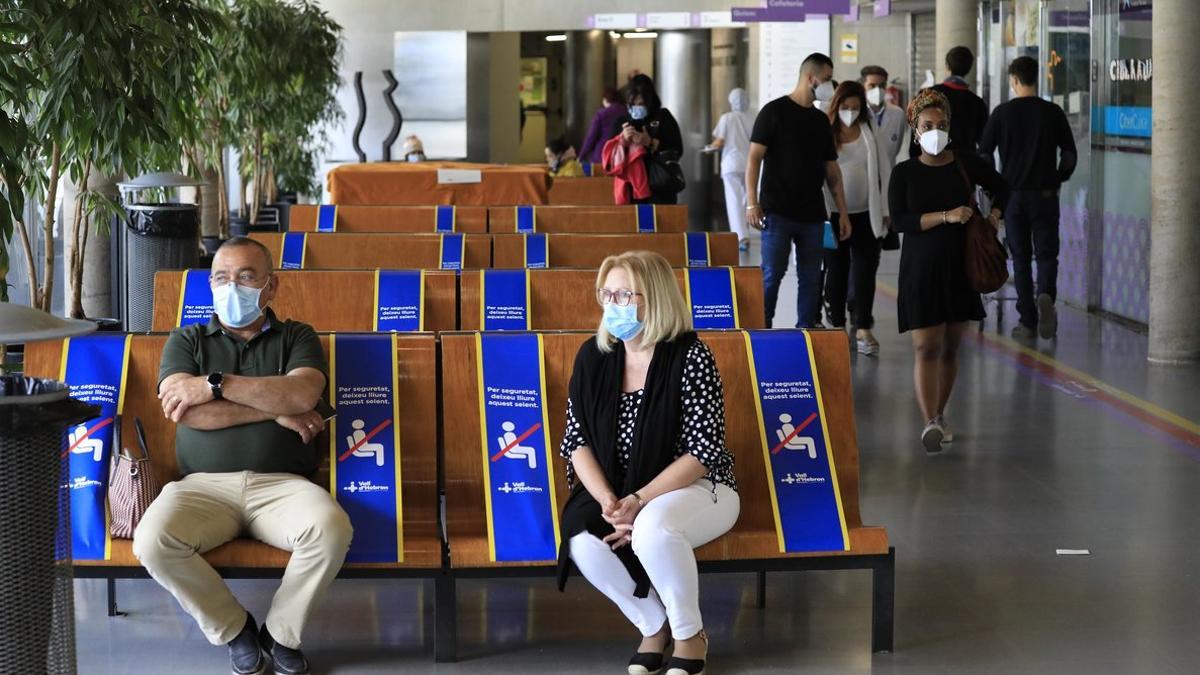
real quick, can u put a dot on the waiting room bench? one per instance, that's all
(330, 300)
(751, 546)
(564, 299)
(340, 251)
(589, 219)
(405, 219)
(589, 250)
(245, 558)
(582, 191)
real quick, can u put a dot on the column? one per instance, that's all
(591, 66)
(683, 78)
(1174, 199)
(957, 24)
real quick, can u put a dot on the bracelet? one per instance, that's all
(639, 499)
(944, 220)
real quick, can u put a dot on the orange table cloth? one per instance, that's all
(416, 184)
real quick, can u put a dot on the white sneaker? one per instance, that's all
(931, 436)
(867, 344)
(947, 432)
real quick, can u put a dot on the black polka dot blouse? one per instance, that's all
(703, 421)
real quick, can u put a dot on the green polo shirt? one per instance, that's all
(264, 447)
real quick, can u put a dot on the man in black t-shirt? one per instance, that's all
(968, 112)
(792, 142)
(1037, 155)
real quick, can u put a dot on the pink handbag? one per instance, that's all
(132, 485)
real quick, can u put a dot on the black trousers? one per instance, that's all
(1031, 226)
(861, 253)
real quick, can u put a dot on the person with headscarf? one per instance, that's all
(931, 198)
(732, 138)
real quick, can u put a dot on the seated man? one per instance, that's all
(243, 389)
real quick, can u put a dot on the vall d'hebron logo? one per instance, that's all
(519, 488)
(365, 486)
(794, 478)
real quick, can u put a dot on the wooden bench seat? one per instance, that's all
(583, 191)
(396, 219)
(322, 297)
(416, 384)
(341, 251)
(589, 250)
(751, 545)
(565, 299)
(588, 219)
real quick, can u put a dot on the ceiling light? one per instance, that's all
(556, 38)
(641, 36)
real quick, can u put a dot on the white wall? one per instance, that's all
(881, 42)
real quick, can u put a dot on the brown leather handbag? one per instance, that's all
(985, 259)
(132, 486)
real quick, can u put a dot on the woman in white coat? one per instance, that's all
(732, 137)
(862, 153)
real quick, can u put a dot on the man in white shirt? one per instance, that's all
(889, 118)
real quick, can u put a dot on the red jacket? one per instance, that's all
(623, 163)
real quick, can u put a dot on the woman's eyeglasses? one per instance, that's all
(622, 297)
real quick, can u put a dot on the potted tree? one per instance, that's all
(110, 76)
(285, 84)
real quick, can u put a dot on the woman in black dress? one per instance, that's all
(930, 199)
(648, 123)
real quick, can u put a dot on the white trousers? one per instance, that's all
(735, 203)
(665, 533)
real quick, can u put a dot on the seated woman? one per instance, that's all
(645, 435)
(561, 159)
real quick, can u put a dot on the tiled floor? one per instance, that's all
(1045, 459)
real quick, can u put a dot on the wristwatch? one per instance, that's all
(214, 383)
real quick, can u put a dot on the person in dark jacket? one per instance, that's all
(1037, 155)
(644, 495)
(970, 112)
(649, 124)
(930, 200)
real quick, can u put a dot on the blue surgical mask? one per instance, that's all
(638, 112)
(621, 322)
(236, 306)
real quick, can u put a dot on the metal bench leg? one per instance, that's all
(110, 585)
(762, 590)
(445, 615)
(883, 604)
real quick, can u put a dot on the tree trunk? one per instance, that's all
(47, 291)
(35, 300)
(222, 201)
(79, 234)
(258, 178)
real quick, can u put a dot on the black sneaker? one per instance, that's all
(287, 661)
(245, 653)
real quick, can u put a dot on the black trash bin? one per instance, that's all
(37, 613)
(157, 237)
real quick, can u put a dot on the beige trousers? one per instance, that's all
(204, 510)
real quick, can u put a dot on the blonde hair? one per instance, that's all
(666, 312)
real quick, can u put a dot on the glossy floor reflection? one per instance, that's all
(1045, 459)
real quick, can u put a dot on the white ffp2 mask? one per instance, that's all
(875, 96)
(848, 117)
(934, 141)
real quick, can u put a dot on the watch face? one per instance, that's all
(215, 379)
